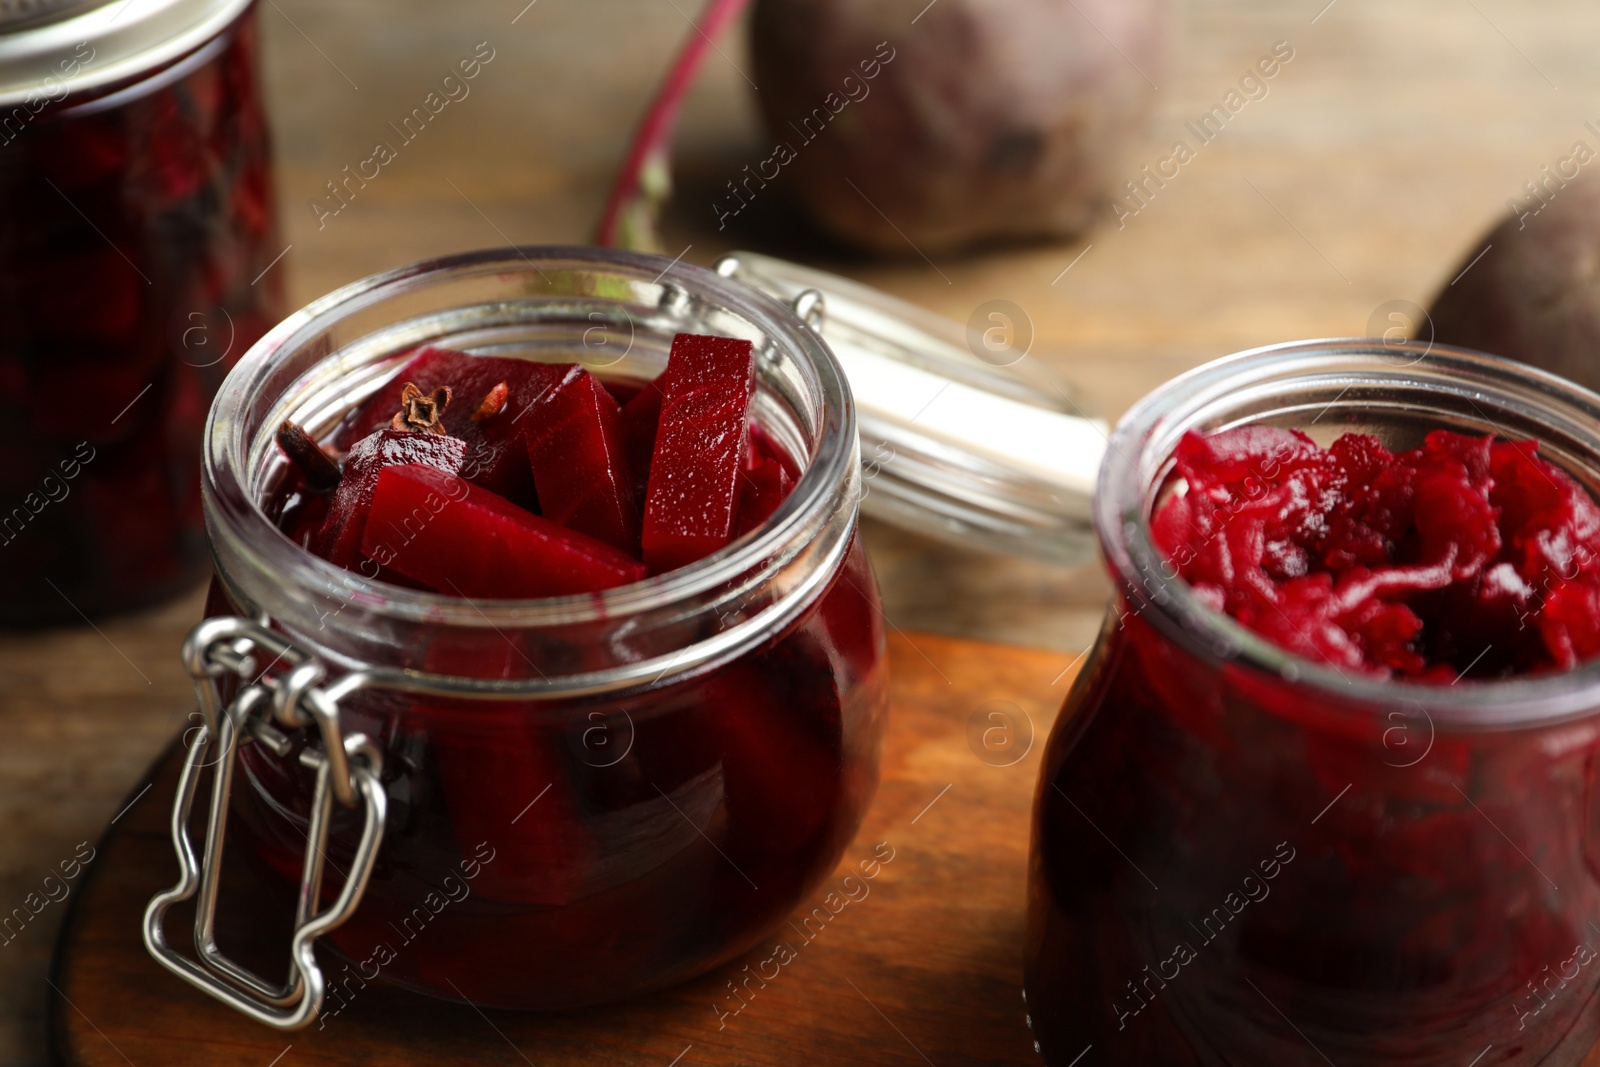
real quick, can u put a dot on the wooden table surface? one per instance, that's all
(1381, 153)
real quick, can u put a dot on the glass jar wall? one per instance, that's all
(588, 797)
(135, 170)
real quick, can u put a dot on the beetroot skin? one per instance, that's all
(905, 127)
(1467, 557)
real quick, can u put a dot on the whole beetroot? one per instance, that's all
(1535, 294)
(958, 122)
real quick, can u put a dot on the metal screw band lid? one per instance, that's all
(18, 13)
(51, 49)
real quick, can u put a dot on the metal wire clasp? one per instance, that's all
(278, 686)
(810, 305)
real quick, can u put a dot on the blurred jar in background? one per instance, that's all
(135, 240)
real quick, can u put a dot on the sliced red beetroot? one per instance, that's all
(496, 458)
(502, 772)
(778, 735)
(339, 539)
(457, 537)
(761, 447)
(641, 415)
(765, 487)
(693, 494)
(580, 466)
(504, 783)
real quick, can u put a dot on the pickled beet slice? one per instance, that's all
(580, 465)
(339, 538)
(493, 766)
(765, 487)
(641, 415)
(776, 727)
(692, 500)
(494, 762)
(457, 537)
(496, 458)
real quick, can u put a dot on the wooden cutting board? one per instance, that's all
(926, 969)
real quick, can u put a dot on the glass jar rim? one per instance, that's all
(125, 44)
(226, 467)
(1139, 457)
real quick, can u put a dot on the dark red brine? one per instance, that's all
(1233, 866)
(133, 273)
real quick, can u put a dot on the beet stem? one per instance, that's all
(629, 219)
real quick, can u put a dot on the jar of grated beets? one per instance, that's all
(1245, 856)
(136, 173)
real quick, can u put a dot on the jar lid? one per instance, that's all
(15, 13)
(993, 453)
(50, 49)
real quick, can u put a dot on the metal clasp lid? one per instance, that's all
(279, 686)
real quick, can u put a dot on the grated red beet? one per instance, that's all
(1466, 556)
